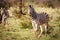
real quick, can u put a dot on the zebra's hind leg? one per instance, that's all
(41, 31)
(46, 29)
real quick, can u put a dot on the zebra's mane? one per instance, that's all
(33, 13)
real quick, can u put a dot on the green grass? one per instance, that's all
(18, 35)
(21, 29)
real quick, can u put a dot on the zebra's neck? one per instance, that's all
(33, 15)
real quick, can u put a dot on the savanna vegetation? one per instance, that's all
(19, 25)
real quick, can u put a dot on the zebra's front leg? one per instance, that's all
(35, 29)
(41, 31)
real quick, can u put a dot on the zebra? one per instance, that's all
(38, 19)
(5, 16)
(0, 17)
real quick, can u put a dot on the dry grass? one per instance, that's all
(21, 29)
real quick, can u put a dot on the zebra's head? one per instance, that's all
(31, 10)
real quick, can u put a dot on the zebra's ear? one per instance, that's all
(30, 6)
